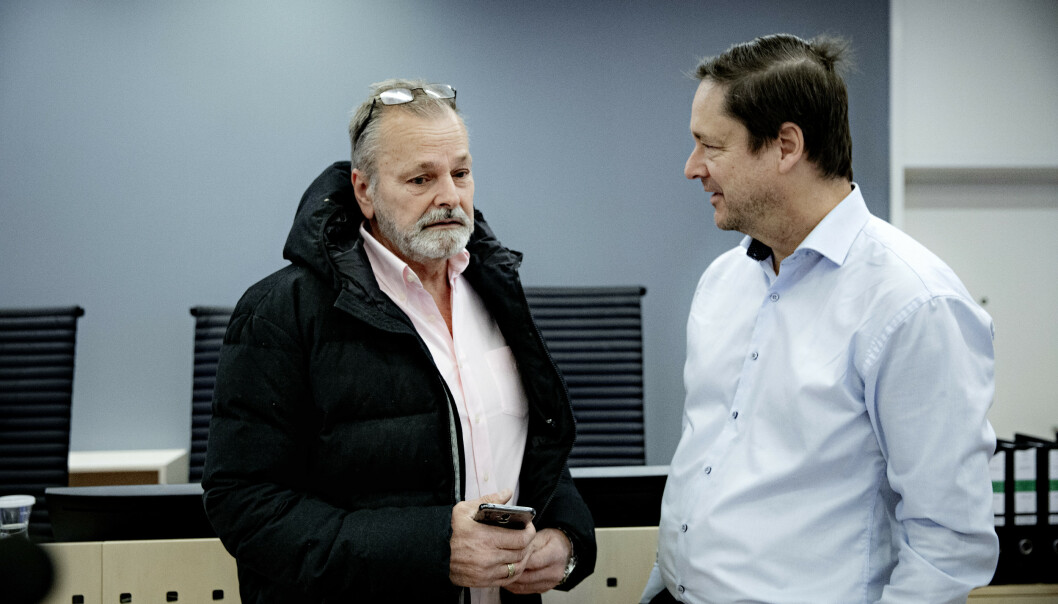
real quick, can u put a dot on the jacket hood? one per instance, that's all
(328, 220)
(327, 215)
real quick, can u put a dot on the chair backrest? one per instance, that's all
(595, 335)
(37, 348)
(210, 324)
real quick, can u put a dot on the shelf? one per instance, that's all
(147, 466)
(996, 189)
(981, 175)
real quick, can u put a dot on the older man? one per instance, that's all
(374, 392)
(834, 447)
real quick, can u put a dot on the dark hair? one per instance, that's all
(782, 78)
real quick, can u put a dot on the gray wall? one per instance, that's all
(152, 155)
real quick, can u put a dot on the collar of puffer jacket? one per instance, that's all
(328, 222)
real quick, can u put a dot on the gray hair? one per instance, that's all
(366, 148)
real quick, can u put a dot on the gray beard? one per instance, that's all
(420, 244)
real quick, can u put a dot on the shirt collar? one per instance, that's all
(395, 274)
(832, 237)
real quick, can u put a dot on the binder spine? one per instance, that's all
(1025, 493)
(997, 467)
(1052, 507)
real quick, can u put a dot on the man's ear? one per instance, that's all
(363, 196)
(791, 146)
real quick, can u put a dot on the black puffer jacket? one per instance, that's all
(334, 454)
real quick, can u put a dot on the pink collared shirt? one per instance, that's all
(478, 367)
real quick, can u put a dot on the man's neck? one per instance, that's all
(804, 211)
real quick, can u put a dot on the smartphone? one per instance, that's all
(507, 516)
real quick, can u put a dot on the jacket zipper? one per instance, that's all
(453, 433)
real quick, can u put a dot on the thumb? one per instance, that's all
(502, 497)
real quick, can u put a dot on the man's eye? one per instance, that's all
(418, 180)
(461, 173)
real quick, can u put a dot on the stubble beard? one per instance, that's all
(747, 215)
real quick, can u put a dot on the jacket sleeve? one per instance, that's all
(568, 512)
(256, 491)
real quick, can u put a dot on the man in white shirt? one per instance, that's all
(835, 445)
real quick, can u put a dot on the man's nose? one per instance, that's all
(447, 193)
(695, 168)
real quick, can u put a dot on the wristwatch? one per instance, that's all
(571, 562)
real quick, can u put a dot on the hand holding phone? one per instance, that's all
(506, 516)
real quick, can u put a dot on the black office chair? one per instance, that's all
(595, 335)
(210, 324)
(37, 347)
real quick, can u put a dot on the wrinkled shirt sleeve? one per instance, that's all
(928, 386)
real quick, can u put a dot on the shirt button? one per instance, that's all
(708, 470)
(774, 297)
(681, 589)
(734, 415)
(753, 356)
(486, 476)
(683, 528)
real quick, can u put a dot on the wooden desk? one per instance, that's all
(626, 557)
(200, 570)
(1015, 594)
(141, 466)
(166, 570)
(627, 554)
(78, 572)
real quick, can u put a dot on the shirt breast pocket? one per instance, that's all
(508, 383)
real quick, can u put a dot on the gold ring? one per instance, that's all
(510, 570)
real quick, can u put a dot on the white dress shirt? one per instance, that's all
(834, 447)
(478, 367)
